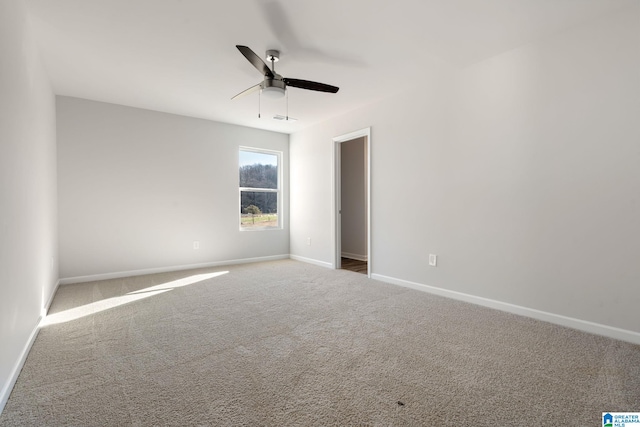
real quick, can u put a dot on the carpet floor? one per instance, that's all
(286, 343)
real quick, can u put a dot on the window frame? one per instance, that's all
(277, 190)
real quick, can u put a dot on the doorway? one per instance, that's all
(352, 201)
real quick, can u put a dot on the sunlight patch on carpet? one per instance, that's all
(180, 282)
(109, 303)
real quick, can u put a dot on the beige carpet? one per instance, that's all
(290, 344)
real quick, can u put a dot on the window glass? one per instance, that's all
(259, 189)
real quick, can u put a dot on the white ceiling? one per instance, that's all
(179, 56)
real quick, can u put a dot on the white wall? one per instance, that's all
(522, 173)
(556, 197)
(353, 199)
(138, 187)
(408, 131)
(28, 242)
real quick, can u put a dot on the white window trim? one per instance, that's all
(262, 190)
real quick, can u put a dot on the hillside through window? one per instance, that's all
(259, 189)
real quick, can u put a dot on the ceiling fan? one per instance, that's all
(274, 85)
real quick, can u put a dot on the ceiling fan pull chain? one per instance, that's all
(287, 104)
(259, 95)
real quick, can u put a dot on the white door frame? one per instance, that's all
(337, 231)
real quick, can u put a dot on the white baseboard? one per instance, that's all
(311, 261)
(130, 273)
(8, 386)
(15, 372)
(357, 257)
(45, 309)
(582, 325)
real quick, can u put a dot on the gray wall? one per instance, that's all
(528, 167)
(353, 197)
(138, 187)
(28, 242)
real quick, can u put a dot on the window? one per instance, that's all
(259, 189)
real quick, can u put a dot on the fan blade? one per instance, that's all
(248, 91)
(255, 61)
(306, 84)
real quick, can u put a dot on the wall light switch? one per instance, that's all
(196, 244)
(433, 259)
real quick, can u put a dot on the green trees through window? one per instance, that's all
(259, 176)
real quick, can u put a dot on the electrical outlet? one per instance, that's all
(433, 260)
(196, 244)
(308, 241)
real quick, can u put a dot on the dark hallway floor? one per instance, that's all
(354, 265)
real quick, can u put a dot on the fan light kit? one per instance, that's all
(273, 88)
(274, 85)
